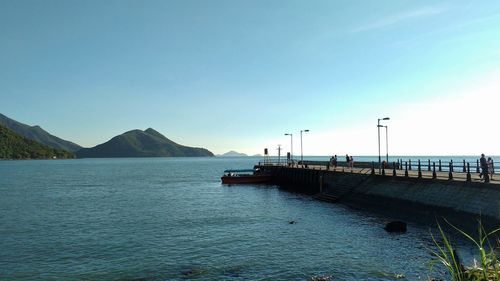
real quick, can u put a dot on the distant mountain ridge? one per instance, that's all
(15, 146)
(37, 134)
(137, 143)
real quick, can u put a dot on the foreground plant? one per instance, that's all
(488, 269)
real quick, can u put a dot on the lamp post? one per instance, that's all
(386, 144)
(378, 128)
(301, 154)
(279, 154)
(291, 146)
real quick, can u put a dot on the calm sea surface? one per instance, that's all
(171, 219)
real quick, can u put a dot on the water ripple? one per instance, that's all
(171, 219)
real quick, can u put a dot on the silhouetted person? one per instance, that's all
(490, 167)
(484, 168)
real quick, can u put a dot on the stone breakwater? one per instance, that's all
(425, 196)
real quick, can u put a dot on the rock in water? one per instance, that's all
(395, 226)
(321, 278)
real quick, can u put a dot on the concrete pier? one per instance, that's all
(428, 193)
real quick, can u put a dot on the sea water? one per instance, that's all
(172, 219)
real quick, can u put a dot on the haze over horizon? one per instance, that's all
(234, 75)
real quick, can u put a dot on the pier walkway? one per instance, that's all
(398, 170)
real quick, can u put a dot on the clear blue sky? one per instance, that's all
(237, 75)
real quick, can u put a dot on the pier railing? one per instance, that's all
(461, 170)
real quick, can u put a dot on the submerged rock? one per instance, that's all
(191, 272)
(321, 278)
(395, 226)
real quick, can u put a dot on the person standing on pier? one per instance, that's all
(490, 167)
(484, 166)
(347, 160)
(335, 162)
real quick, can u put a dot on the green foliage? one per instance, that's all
(14, 146)
(37, 134)
(489, 267)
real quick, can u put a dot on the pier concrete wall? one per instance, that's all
(421, 195)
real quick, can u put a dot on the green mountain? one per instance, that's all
(38, 134)
(137, 143)
(14, 146)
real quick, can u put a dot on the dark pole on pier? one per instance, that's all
(450, 173)
(378, 129)
(279, 154)
(386, 144)
(469, 178)
(301, 154)
(291, 146)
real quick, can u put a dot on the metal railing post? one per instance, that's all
(469, 178)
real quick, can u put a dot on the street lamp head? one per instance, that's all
(288, 134)
(386, 118)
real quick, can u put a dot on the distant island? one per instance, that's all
(137, 143)
(15, 146)
(233, 153)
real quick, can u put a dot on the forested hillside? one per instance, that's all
(37, 134)
(14, 146)
(138, 143)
